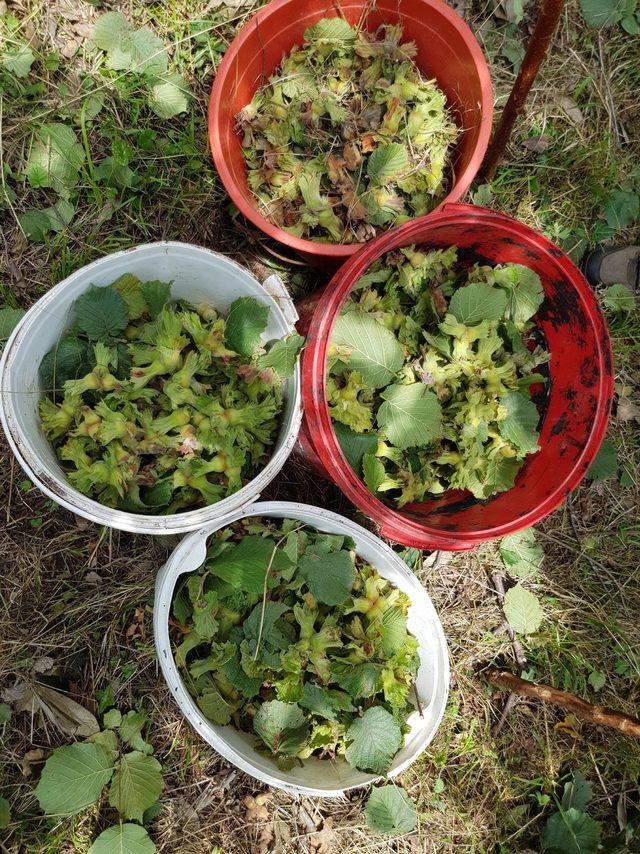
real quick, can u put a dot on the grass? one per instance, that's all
(73, 592)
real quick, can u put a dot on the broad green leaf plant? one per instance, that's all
(430, 370)
(157, 407)
(76, 776)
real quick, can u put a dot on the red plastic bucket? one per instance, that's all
(447, 51)
(578, 396)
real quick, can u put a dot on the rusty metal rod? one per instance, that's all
(546, 24)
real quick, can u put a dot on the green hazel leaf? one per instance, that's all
(597, 680)
(107, 741)
(571, 832)
(92, 105)
(60, 215)
(522, 610)
(112, 719)
(355, 445)
(55, 158)
(128, 286)
(329, 577)
(390, 810)
(131, 731)
(376, 353)
(410, 416)
(101, 313)
(109, 30)
(73, 778)
(521, 554)
(70, 358)
(18, 59)
(114, 174)
(373, 472)
(245, 565)
(136, 785)
(375, 738)
(169, 96)
(318, 701)
(600, 13)
(622, 209)
(5, 813)
(387, 163)
(520, 426)
(619, 298)
(148, 53)
(359, 680)
(159, 495)
(204, 610)
(248, 686)
(246, 321)
(394, 631)
(152, 813)
(123, 839)
(35, 224)
(156, 295)
(213, 706)
(331, 30)
(499, 475)
(477, 302)
(577, 792)
(9, 319)
(282, 356)
(605, 464)
(524, 290)
(271, 634)
(282, 727)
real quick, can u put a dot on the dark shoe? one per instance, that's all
(613, 266)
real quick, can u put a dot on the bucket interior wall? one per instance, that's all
(567, 408)
(208, 279)
(442, 54)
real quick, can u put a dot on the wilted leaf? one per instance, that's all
(64, 713)
(537, 144)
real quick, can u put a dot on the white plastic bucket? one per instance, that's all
(322, 778)
(198, 275)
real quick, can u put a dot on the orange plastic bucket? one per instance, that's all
(447, 51)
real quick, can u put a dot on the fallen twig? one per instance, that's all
(600, 715)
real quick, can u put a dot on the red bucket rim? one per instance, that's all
(314, 379)
(339, 252)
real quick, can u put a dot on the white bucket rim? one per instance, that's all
(190, 554)
(63, 493)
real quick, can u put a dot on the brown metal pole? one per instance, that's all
(546, 24)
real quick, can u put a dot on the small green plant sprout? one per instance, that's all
(117, 760)
(142, 52)
(285, 632)
(156, 407)
(431, 368)
(347, 138)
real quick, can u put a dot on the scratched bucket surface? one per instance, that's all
(197, 275)
(574, 406)
(319, 777)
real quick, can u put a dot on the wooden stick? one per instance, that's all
(546, 24)
(600, 715)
